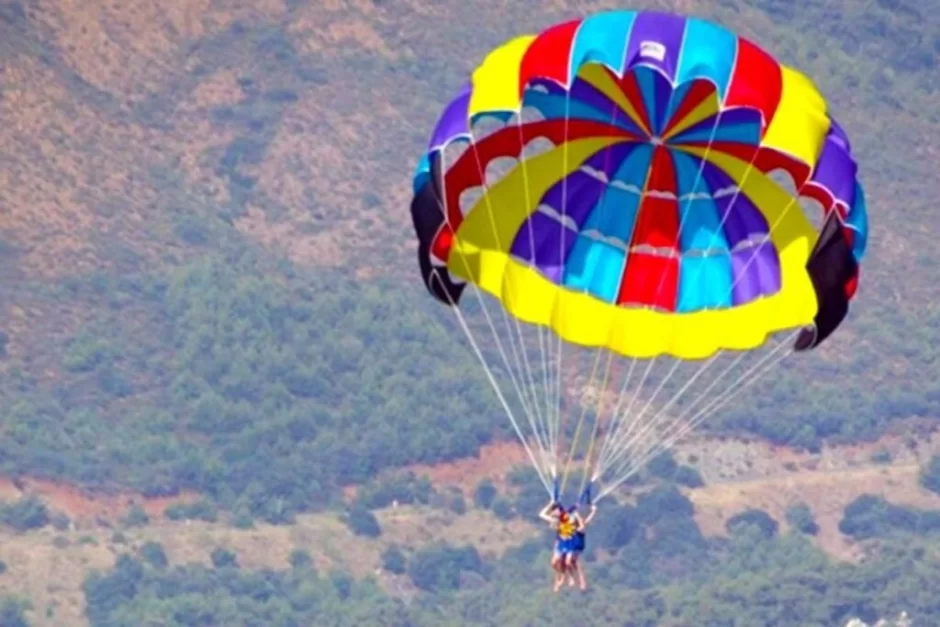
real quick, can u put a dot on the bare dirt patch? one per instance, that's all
(826, 492)
(494, 462)
(83, 507)
(49, 567)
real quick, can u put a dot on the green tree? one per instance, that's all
(756, 518)
(663, 466)
(688, 476)
(27, 513)
(362, 522)
(154, 554)
(394, 560)
(502, 509)
(485, 494)
(223, 558)
(930, 475)
(13, 612)
(300, 560)
(136, 517)
(438, 567)
(800, 517)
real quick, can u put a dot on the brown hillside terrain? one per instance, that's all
(130, 129)
(826, 492)
(83, 507)
(291, 122)
(128, 117)
(753, 474)
(49, 566)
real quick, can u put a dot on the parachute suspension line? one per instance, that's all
(678, 429)
(586, 467)
(621, 428)
(492, 380)
(625, 446)
(613, 435)
(623, 270)
(793, 200)
(661, 412)
(682, 428)
(638, 421)
(540, 424)
(546, 418)
(602, 391)
(621, 456)
(527, 410)
(577, 431)
(559, 379)
(536, 420)
(487, 368)
(616, 419)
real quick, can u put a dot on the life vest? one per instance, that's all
(567, 527)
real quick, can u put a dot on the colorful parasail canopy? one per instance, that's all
(642, 213)
(653, 224)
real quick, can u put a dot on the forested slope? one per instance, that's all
(207, 277)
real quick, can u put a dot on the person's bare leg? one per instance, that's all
(558, 566)
(581, 580)
(570, 566)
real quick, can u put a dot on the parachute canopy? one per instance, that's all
(639, 212)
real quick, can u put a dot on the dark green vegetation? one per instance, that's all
(13, 612)
(265, 384)
(274, 393)
(174, 352)
(656, 567)
(930, 476)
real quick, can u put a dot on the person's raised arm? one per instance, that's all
(546, 513)
(590, 516)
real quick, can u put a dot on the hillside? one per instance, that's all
(135, 155)
(48, 566)
(208, 291)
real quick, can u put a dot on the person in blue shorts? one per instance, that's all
(569, 541)
(578, 544)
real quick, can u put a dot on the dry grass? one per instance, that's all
(826, 492)
(75, 180)
(40, 210)
(494, 462)
(84, 508)
(49, 567)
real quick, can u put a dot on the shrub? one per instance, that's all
(800, 517)
(300, 559)
(502, 509)
(153, 553)
(930, 475)
(689, 477)
(25, 514)
(485, 494)
(394, 560)
(362, 522)
(222, 558)
(753, 517)
(136, 517)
